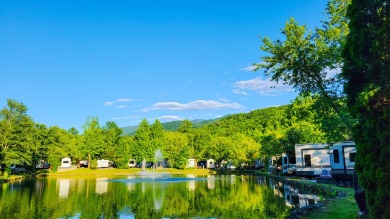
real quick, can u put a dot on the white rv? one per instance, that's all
(281, 163)
(132, 163)
(66, 162)
(190, 163)
(342, 159)
(104, 163)
(210, 164)
(312, 159)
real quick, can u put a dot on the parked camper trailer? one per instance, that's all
(210, 164)
(342, 159)
(132, 163)
(104, 164)
(311, 159)
(190, 163)
(66, 162)
(281, 163)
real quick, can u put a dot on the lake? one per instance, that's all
(190, 196)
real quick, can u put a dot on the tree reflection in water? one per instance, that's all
(196, 197)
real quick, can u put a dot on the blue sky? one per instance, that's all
(123, 61)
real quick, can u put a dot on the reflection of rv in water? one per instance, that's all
(342, 158)
(312, 159)
(295, 199)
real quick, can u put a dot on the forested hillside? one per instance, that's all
(252, 123)
(171, 126)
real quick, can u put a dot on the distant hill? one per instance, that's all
(256, 121)
(172, 126)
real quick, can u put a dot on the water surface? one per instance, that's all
(135, 197)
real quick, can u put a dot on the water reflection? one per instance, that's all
(196, 197)
(101, 186)
(64, 187)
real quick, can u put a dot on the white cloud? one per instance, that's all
(124, 100)
(249, 68)
(121, 107)
(264, 87)
(195, 105)
(169, 118)
(237, 91)
(119, 100)
(108, 103)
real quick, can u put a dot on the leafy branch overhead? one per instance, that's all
(310, 60)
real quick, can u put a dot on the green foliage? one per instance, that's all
(176, 149)
(16, 134)
(366, 69)
(306, 58)
(93, 145)
(59, 144)
(239, 139)
(185, 127)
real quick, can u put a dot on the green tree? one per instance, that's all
(176, 149)
(112, 134)
(56, 146)
(246, 150)
(122, 153)
(16, 134)
(306, 58)
(367, 70)
(93, 144)
(157, 135)
(200, 141)
(185, 127)
(39, 145)
(142, 144)
(75, 144)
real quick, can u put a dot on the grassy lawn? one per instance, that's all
(339, 208)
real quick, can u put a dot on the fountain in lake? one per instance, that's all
(151, 175)
(157, 162)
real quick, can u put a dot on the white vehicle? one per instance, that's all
(132, 163)
(104, 163)
(281, 163)
(342, 159)
(312, 159)
(210, 164)
(66, 162)
(286, 166)
(190, 163)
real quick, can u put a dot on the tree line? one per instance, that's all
(239, 139)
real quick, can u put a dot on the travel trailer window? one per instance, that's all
(336, 156)
(352, 157)
(307, 160)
